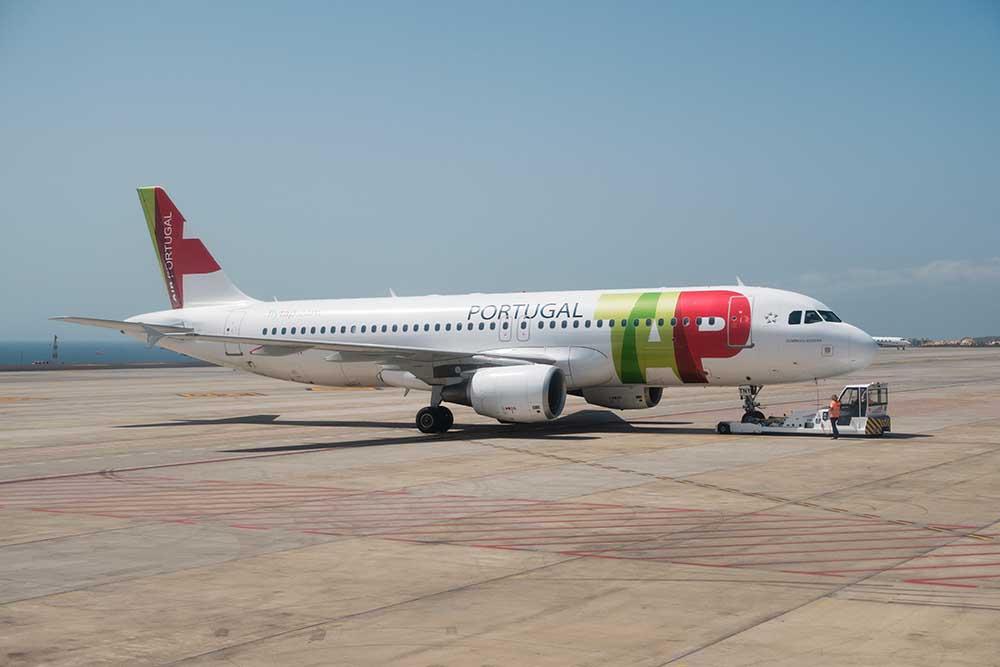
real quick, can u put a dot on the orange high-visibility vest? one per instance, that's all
(834, 409)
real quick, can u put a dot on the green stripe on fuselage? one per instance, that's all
(632, 350)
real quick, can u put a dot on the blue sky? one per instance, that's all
(849, 150)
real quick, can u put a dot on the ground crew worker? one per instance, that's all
(834, 415)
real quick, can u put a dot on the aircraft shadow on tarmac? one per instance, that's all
(577, 426)
(583, 425)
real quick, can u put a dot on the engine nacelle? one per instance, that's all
(522, 394)
(634, 397)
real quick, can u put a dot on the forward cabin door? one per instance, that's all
(233, 323)
(738, 330)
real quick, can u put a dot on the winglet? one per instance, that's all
(739, 281)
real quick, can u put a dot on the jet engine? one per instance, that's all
(634, 397)
(522, 394)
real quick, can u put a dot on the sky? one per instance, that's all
(847, 150)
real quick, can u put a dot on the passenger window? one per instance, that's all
(313, 330)
(563, 325)
(427, 327)
(698, 321)
(354, 328)
(635, 322)
(673, 321)
(659, 322)
(322, 330)
(437, 327)
(812, 317)
(482, 325)
(600, 324)
(505, 326)
(552, 324)
(274, 330)
(524, 325)
(829, 316)
(649, 322)
(343, 328)
(364, 328)
(611, 324)
(447, 327)
(687, 321)
(493, 326)
(711, 321)
(406, 327)
(586, 324)
(395, 328)
(283, 331)
(625, 323)
(541, 325)
(264, 332)
(458, 326)
(384, 327)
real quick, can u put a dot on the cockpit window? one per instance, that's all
(812, 317)
(829, 316)
(795, 317)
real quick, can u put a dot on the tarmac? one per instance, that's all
(204, 516)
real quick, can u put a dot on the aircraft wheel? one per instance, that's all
(723, 428)
(750, 417)
(429, 420)
(448, 419)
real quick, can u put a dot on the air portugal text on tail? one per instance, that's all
(190, 273)
(513, 357)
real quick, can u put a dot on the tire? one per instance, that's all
(447, 418)
(429, 420)
(750, 417)
(723, 428)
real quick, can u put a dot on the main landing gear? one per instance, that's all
(435, 418)
(751, 408)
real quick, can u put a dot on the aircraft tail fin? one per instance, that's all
(190, 273)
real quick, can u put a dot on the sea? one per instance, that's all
(28, 352)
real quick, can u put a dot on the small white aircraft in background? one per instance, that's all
(892, 341)
(513, 357)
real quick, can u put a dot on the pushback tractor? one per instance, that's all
(864, 411)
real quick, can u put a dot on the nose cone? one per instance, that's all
(861, 348)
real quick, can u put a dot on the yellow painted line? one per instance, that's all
(937, 530)
(900, 522)
(321, 388)
(837, 509)
(984, 538)
(15, 399)
(218, 394)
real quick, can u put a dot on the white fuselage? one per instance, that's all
(561, 327)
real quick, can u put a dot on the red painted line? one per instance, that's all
(690, 533)
(861, 558)
(918, 567)
(677, 543)
(610, 536)
(242, 525)
(938, 581)
(587, 523)
(740, 554)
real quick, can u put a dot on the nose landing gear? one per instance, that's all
(751, 408)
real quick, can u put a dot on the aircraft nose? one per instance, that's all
(861, 348)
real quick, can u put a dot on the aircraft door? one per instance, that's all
(233, 323)
(738, 326)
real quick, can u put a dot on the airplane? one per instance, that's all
(892, 341)
(513, 357)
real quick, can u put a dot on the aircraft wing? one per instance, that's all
(372, 351)
(141, 328)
